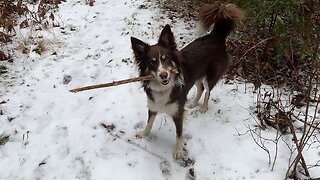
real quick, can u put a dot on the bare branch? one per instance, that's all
(113, 83)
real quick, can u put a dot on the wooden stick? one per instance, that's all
(114, 83)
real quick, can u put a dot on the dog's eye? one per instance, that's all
(164, 58)
(153, 61)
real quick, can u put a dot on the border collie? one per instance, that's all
(201, 63)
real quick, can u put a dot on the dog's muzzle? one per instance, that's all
(164, 78)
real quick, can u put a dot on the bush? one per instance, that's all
(285, 35)
(16, 14)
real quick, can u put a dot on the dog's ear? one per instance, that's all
(166, 38)
(138, 47)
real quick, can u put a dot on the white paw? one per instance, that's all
(191, 105)
(141, 135)
(203, 109)
(178, 153)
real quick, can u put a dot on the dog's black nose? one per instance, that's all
(163, 75)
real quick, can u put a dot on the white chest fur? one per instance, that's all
(160, 102)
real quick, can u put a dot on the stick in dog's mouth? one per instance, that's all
(117, 83)
(175, 71)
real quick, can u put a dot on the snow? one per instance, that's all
(55, 134)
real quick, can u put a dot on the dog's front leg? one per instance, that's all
(178, 121)
(151, 117)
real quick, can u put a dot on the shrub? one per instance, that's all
(15, 13)
(285, 35)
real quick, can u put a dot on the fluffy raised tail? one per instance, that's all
(224, 16)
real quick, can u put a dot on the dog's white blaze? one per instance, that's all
(160, 68)
(160, 103)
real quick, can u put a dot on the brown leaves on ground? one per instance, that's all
(109, 127)
(11, 12)
(90, 2)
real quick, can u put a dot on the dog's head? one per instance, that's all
(160, 60)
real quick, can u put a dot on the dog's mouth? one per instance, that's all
(164, 82)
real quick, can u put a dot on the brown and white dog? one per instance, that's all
(202, 63)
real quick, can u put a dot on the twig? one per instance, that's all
(315, 126)
(276, 141)
(113, 83)
(260, 143)
(256, 46)
(133, 143)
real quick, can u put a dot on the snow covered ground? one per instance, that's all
(55, 134)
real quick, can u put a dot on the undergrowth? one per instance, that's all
(36, 15)
(276, 43)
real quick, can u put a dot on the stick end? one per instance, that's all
(73, 91)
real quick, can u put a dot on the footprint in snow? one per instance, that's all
(216, 100)
(66, 79)
(165, 168)
(139, 125)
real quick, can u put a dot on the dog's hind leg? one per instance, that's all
(204, 107)
(151, 117)
(208, 82)
(200, 89)
(178, 121)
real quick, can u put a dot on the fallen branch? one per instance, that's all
(113, 83)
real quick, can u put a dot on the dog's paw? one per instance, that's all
(141, 135)
(178, 153)
(192, 105)
(203, 109)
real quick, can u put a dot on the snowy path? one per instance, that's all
(55, 134)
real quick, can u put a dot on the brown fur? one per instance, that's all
(211, 13)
